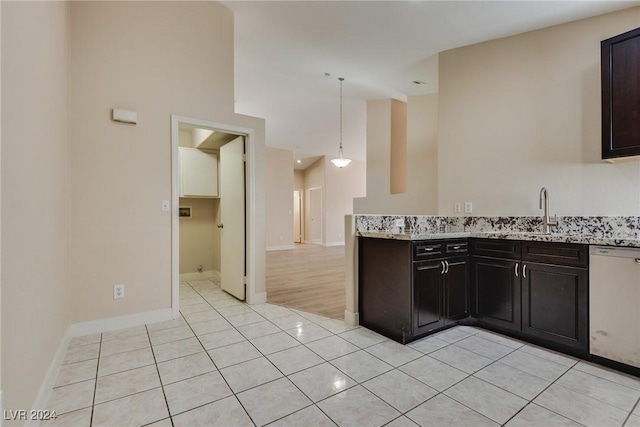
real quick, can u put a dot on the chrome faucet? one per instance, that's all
(547, 223)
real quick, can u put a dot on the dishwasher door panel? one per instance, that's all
(614, 304)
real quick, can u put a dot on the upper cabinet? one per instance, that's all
(621, 95)
(198, 173)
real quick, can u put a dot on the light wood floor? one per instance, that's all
(309, 278)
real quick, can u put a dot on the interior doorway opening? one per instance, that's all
(219, 214)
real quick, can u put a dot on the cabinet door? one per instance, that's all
(621, 95)
(456, 289)
(497, 292)
(427, 290)
(554, 304)
(198, 173)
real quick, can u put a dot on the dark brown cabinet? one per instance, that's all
(409, 289)
(537, 290)
(497, 290)
(554, 304)
(620, 73)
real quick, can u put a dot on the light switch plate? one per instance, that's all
(165, 206)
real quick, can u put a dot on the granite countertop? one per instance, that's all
(529, 236)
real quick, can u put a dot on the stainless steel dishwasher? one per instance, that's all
(614, 303)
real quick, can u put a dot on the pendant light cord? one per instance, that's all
(341, 80)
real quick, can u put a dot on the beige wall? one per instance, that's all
(200, 236)
(298, 179)
(120, 173)
(342, 186)
(279, 187)
(421, 165)
(523, 112)
(398, 142)
(35, 194)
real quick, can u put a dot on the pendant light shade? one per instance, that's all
(341, 161)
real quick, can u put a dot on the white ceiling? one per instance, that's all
(284, 48)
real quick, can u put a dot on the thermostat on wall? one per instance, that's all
(184, 212)
(124, 116)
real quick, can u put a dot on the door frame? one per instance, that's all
(250, 216)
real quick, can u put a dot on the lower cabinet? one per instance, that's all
(428, 279)
(544, 302)
(535, 291)
(497, 291)
(409, 289)
(554, 304)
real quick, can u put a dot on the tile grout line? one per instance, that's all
(95, 386)
(164, 394)
(233, 393)
(284, 376)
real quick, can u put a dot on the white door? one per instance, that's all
(232, 215)
(315, 215)
(297, 214)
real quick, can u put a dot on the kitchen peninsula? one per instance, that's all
(421, 274)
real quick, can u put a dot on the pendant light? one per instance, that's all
(341, 161)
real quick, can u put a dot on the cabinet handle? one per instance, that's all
(443, 267)
(428, 249)
(637, 260)
(446, 263)
(517, 265)
(455, 248)
(524, 271)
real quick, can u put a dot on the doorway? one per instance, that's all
(236, 210)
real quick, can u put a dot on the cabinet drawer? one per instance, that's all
(556, 253)
(498, 248)
(456, 247)
(427, 250)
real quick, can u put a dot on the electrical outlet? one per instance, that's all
(468, 207)
(118, 291)
(457, 207)
(400, 222)
(165, 206)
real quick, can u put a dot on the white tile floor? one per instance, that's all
(229, 364)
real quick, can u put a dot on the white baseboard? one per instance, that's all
(334, 244)
(114, 323)
(280, 248)
(196, 275)
(352, 319)
(42, 399)
(84, 328)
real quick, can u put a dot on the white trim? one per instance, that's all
(121, 322)
(352, 319)
(199, 276)
(334, 244)
(50, 378)
(280, 248)
(259, 298)
(252, 232)
(85, 328)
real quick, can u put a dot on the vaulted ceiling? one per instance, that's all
(284, 48)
